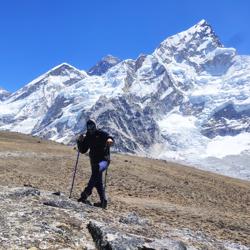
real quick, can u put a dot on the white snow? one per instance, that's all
(165, 94)
(147, 80)
(187, 145)
(222, 146)
(185, 140)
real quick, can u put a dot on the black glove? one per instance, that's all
(81, 138)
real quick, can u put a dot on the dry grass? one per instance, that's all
(165, 192)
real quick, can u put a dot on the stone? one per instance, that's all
(111, 239)
(133, 218)
(165, 244)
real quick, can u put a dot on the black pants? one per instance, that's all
(95, 181)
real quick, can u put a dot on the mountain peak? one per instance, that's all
(62, 74)
(104, 65)
(202, 23)
(197, 33)
(198, 40)
(111, 59)
(204, 28)
(4, 94)
(2, 90)
(64, 64)
(63, 69)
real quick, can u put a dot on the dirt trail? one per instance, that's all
(165, 192)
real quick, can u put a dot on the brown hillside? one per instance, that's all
(165, 192)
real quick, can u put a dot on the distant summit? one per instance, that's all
(104, 65)
(192, 46)
(4, 94)
(65, 69)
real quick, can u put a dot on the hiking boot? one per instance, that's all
(83, 198)
(102, 204)
(87, 202)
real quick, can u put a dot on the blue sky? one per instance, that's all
(37, 35)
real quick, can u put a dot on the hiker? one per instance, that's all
(98, 142)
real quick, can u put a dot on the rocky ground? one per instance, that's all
(157, 202)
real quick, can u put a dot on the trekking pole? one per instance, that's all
(74, 174)
(106, 173)
(105, 180)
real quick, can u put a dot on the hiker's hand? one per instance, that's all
(81, 138)
(110, 142)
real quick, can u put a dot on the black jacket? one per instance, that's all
(96, 144)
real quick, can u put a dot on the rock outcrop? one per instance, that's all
(34, 219)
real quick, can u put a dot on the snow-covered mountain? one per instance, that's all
(24, 109)
(104, 65)
(4, 94)
(188, 101)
